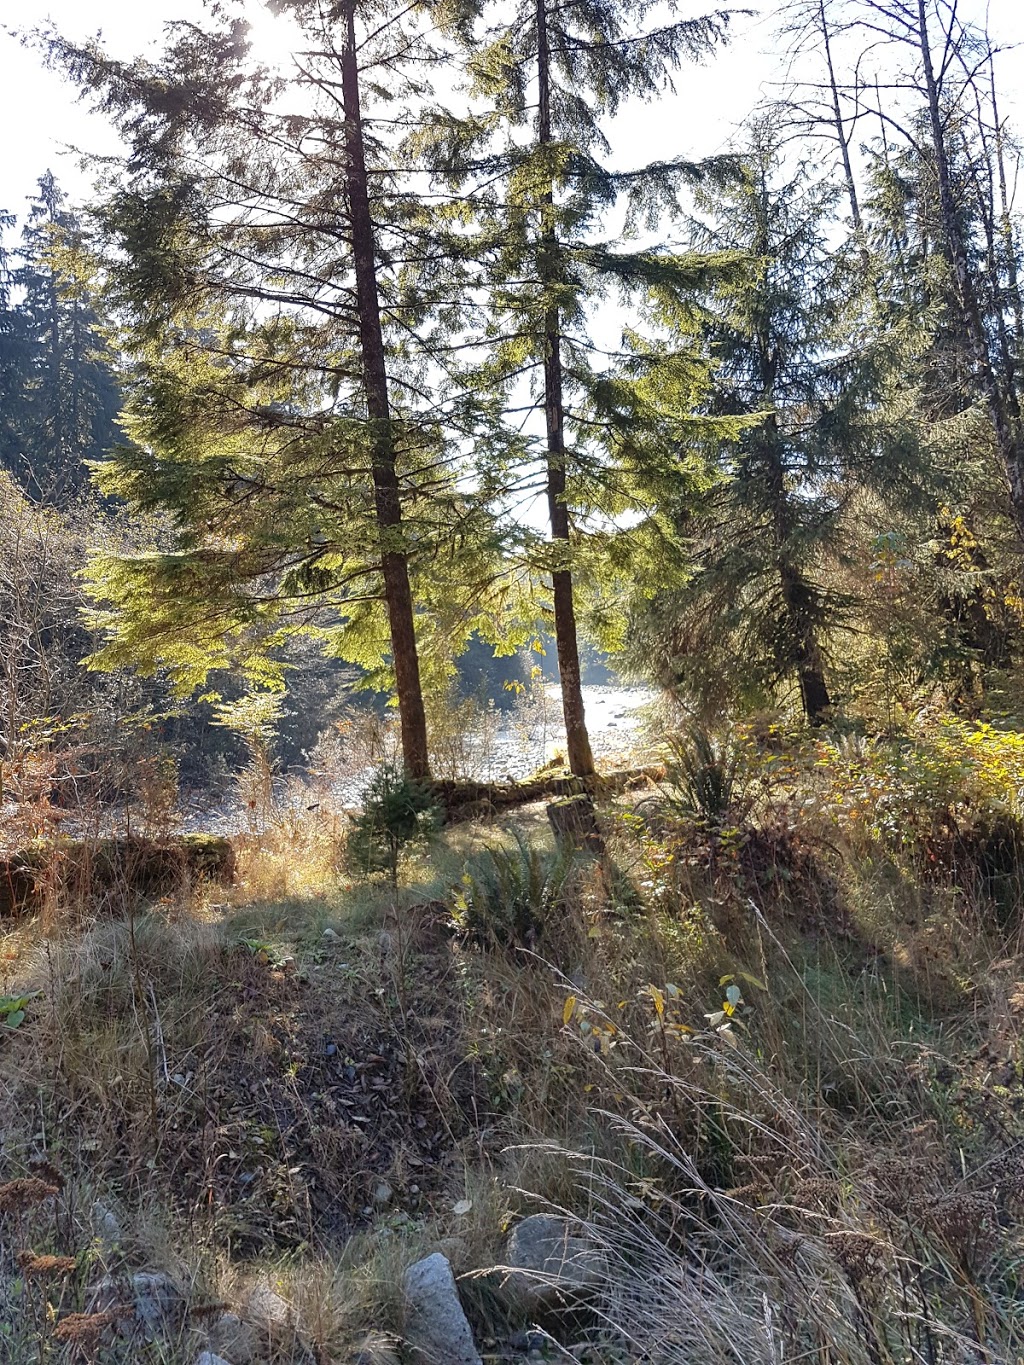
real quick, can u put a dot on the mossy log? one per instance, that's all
(465, 800)
(79, 869)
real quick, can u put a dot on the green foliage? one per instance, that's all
(254, 716)
(59, 398)
(246, 407)
(945, 774)
(708, 777)
(509, 895)
(396, 812)
(618, 426)
(12, 1009)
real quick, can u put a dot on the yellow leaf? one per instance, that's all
(568, 1008)
(659, 1000)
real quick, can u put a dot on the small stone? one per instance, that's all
(528, 1341)
(330, 935)
(383, 1194)
(232, 1337)
(266, 1309)
(210, 1358)
(435, 1324)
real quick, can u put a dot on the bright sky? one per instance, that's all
(40, 114)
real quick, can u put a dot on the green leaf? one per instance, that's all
(752, 980)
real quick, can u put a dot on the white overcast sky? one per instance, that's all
(40, 114)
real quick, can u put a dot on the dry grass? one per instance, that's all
(306, 1083)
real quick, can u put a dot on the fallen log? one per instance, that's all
(463, 800)
(80, 869)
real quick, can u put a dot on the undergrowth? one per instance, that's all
(768, 1054)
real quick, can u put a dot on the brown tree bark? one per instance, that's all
(579, 753)
(387, 498)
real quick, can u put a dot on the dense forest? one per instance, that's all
(511, 731)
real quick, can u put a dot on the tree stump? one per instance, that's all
(574, 823)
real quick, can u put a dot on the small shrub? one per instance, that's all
(508, 895)
(708, 779)
(396, 812)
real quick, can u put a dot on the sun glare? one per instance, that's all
(274, 37)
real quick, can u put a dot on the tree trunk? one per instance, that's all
(580, 756)
(387, 500)
(837, 115)
(1001, 400)
(813, 689)
(806, 658)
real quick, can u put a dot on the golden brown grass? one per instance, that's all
(833, 1169)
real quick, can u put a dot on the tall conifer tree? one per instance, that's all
(60, 401)
(534, 157)
(789, 353)
(278, 276)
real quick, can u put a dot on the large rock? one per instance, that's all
(231, 1337)
(436, 1329)
(546, 1261)
(158, 1301)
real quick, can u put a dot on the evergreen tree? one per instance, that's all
(787, 347)
(61, 398)
(966, 569)
(533, 163)
(277, 277)
(13, 359)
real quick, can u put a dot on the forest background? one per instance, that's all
(395, 371)
(708, 221)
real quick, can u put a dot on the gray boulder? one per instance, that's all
(266, 1310)
(158, 1301)
(546, 1261)
(231, 1337)
(435, 1324)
